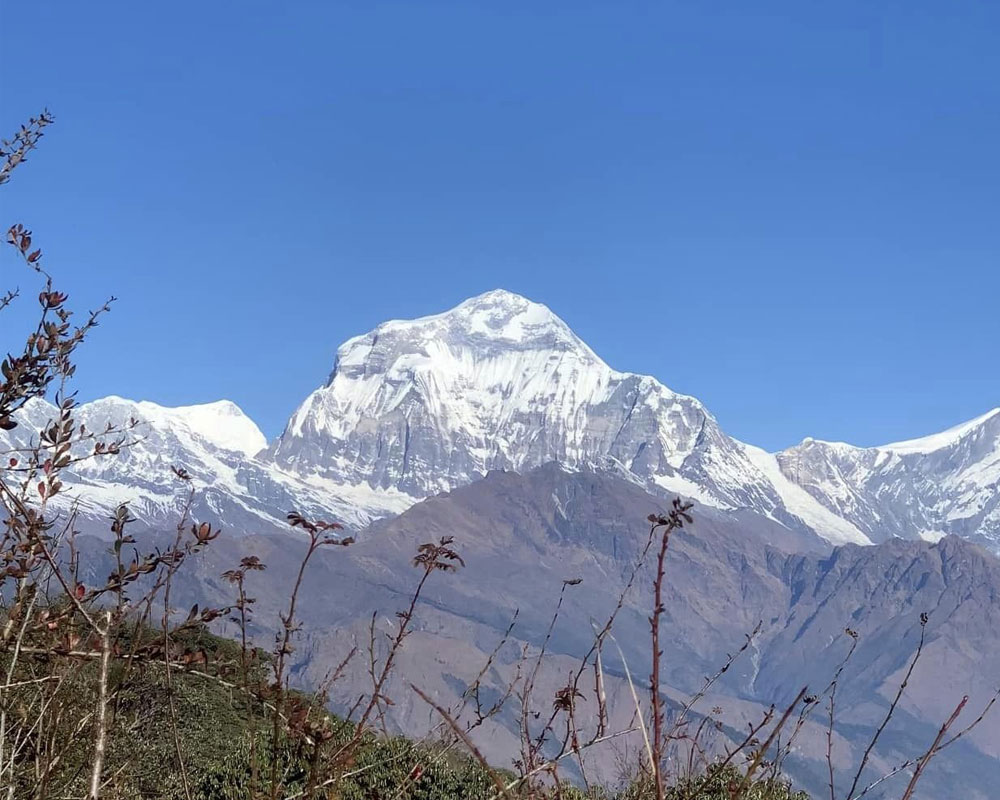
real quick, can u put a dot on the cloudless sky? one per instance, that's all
(790, 210)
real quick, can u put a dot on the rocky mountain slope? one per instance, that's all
(522, 535)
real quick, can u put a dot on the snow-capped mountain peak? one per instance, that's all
(221, 424)
(509, 318)
(496, 382)
(500, 382)
(212, 441)
(495, 321)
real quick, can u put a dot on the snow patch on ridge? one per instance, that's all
(803, 505)
(937, 441)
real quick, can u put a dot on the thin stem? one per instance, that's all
(102, 711)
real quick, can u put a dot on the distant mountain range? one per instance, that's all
(417, 407)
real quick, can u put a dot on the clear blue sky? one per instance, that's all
(788, 209)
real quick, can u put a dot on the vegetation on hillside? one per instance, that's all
(215, 726)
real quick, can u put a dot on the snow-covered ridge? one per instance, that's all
(922, 444)
(415, 407)
(222, 424)
(946, 483)
(937, 441)
(215, 443)
(219, 425)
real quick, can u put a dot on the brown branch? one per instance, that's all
(933, 749)
(892, 707)
(461, 734)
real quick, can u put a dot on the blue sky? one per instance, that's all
(788, 209)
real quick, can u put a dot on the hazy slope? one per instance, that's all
(522, 535)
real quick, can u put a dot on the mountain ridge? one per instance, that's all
(521, 535)
(416, 407)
